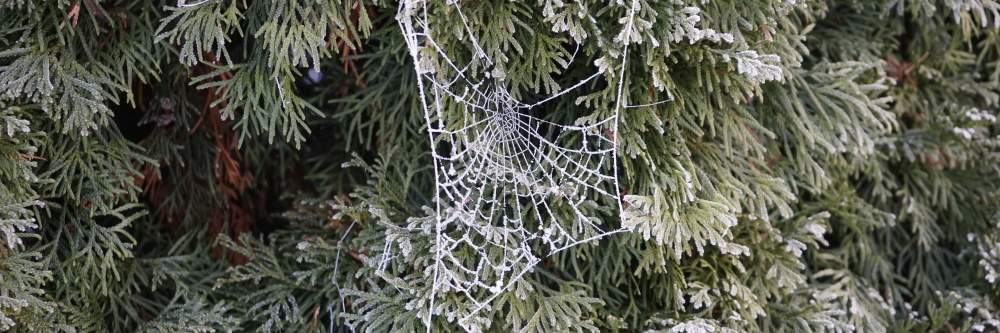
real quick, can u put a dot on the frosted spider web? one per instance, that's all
(507, 180)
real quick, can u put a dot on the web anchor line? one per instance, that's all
(506, 181)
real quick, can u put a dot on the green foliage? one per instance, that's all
(786, 165)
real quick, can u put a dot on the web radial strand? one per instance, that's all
(512, 187)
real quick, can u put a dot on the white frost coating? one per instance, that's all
(795, 247)
(195, 3)
(965, 133)
(758, 68)
(983, 11)
(815, 229)
(508, 181)
(688, 28)
(978, 310)
(16, 218)
(975, 114)
(989, 253)
(14, 125)
(698, 325)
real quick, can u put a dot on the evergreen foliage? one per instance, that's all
(265, 165)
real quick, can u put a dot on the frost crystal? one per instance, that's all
(795, 247)
(758, 68)
(979, 310)
(687, 28)
(15, 125)
(700, 326)
(989, 253)
(512, 187)
(965, 133)
(816, 230)
(975, 114)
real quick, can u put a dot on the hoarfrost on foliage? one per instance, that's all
(975, 114)
(965, 133)
(989, 255)
(795, 247)
(979, 311)
(758, 68)
(698, 325)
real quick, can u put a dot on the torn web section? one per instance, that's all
(511, 186)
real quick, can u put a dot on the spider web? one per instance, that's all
(512, 188)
